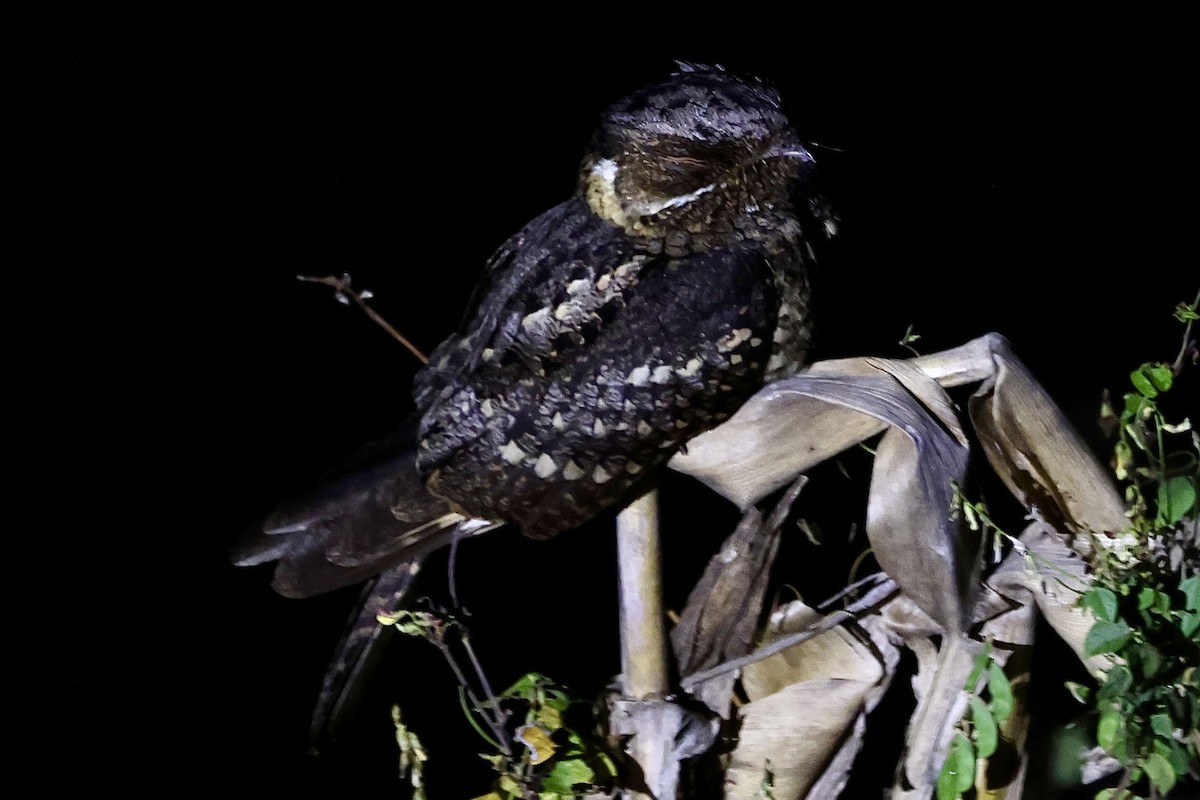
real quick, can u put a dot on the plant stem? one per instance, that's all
(494, 722)
(643, 634)
(643, 631)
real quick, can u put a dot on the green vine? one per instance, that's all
(1145, 599)
(989, 705)
(1146, 596)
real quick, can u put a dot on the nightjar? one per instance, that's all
(603, 335)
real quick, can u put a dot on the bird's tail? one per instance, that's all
(370, 515)
(371, 519)
(358, 653)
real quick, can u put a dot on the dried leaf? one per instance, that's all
(803, 420)
(798, 730)
(837, 653)
(668, 734)
(1039, 455)
(843, 657)
(794, 424)
(837, 772)
(1053, 576)
(782, 432)
(920, 459)
(718, 623)
(775, 436)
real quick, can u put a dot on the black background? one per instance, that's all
(1038, 185)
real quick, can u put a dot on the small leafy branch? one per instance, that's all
(978, 518)
(558, 759)
(537, 748)
(978, 732)
(439, 627)
(1146, 598)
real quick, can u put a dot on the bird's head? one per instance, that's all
(702, 147)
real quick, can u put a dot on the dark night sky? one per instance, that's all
(1038, 189)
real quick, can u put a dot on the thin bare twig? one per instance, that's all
(873, 578)
(345, 293)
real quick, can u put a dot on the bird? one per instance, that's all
(672, 285)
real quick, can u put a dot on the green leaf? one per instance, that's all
(1160, 772)
(1176, 496)
(1161, 724)
(548, 717)
(1119, 680)
(1189, 623)
(1080, 692)
(1191, 592)
(1116, 683)
(566, 774)
(1133, 407)
(1160, 375)
(556, 699)
(1116, 794)
(1173, 752)
(1185, 313)
(1162, 604)
(1001, 692)
(1110, 731)
(1137, 434)
(526, 687)
(1145, 598)
(981, 663)
(947, 785)
(960, 762)
(1141, 381)
(986, 734)
(1150, 658)
(1102, 602)
(1106, 637)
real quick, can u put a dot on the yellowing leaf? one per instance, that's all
(537, 740)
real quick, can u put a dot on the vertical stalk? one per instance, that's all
(643, 632)
(643, 636)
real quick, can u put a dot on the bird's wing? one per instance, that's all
(370, 514)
